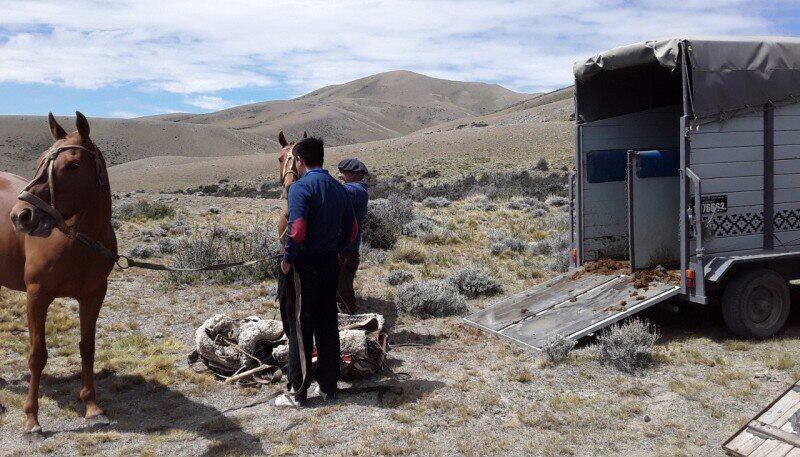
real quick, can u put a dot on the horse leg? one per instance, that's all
(89, 311)
(37, 304)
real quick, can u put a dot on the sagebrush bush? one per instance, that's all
(527, 204)
(142, 210)
(436, 202)
(167, 245)
(541, 247)
(474, 282)
(542, 165)
(143, 251)
(385, 219)
(501, 241)
(479, 203)
(433, 298)
(419, 227)
(557, 349)
(219, 245)
(397, 277)
(373, 257)
(557, 200)
(628, 346)
(440, 236)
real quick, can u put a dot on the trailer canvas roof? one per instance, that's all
(726, 76)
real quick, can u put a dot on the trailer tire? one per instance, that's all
(756, 303)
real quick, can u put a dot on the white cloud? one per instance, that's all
(208, 102)
(198, 48)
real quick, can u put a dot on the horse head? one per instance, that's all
(288, 165)
(70, 175)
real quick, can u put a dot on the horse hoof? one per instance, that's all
(34, 435)
(100, 420)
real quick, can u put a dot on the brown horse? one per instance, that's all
(70, 192)
(288, 175)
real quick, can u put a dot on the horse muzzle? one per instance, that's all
(31, 221)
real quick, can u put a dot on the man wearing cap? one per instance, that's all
(321, 223)
(352, 172)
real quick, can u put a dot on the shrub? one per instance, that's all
(385, 219)
(425, 299)
(397, 277)
(219, 245)
(419, 227)
(526, 204)
(542, 164)
(501, 241)
(541, 247)
(557, 349)
(473, 282)
(440, 236)
(372, 256)
(479, 203)
(167, 245)
(537, 212)
(556, 200)
(628, 346)
(436, 202)
(142, 210)
(408, 252)
(143, 251)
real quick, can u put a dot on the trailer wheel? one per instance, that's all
(756, 303)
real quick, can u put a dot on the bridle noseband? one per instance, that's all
(46, 170)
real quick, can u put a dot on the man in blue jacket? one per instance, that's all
(352, 172)
(321, 223)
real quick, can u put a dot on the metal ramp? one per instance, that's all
(570, 305)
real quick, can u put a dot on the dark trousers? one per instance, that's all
(307, 297)
(348, 265)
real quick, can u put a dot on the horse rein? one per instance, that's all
(46, 170)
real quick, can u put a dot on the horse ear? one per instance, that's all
(57, 131)
(82, 124)
(282, 139)
(305, 134)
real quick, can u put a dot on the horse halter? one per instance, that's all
(45, 171)
(289, 167)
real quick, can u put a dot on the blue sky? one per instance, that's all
(142, 57)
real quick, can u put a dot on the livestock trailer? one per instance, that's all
(687, 157)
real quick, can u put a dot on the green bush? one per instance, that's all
(429, 299)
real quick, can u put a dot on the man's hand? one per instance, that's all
(286, 267)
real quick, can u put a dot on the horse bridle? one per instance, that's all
(45, 172)
(290, 163)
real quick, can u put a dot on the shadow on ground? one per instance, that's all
(376, 305)
(137, 405)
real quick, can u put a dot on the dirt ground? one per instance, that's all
(467, 393)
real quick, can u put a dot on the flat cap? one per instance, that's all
(353, 165)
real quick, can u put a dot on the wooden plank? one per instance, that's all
(737, 124)
(784, 137)
(788, 110)
(725, 185)
(775, 433)
(744, 443)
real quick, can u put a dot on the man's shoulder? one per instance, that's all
(356, 187)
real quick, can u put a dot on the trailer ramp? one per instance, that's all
(569, 305)
(774, 431)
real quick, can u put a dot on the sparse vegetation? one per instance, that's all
(474, 282)
(436, 202)
(219, 245)
(628, 346)
(557, 349)
(397, 277)
(501, 241)
(430, 298)
(143, 210)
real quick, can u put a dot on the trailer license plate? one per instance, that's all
(714, 203)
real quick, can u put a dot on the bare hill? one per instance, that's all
(23, 138)
(382, 106)
(453, 153)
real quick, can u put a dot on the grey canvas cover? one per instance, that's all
(726, 75)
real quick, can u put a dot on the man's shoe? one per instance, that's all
(326, 397)
(286, 401)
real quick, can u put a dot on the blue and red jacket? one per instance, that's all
(321, 218)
